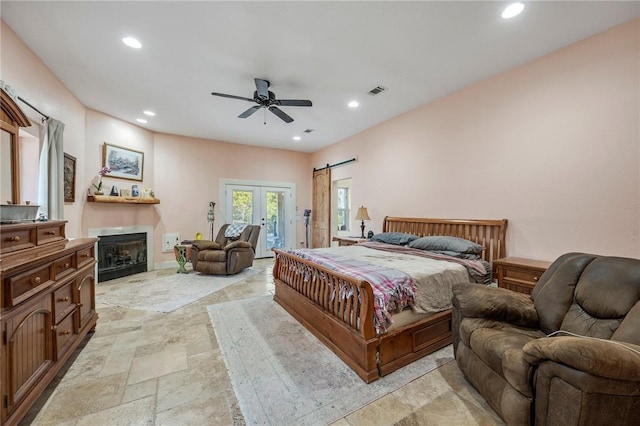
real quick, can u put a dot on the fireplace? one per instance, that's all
(121, 255)
(123, 251)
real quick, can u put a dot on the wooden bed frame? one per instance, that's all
(345, 324)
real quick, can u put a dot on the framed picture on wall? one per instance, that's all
(124, 163)
(69, 177)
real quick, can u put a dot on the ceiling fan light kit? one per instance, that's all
(267, 99)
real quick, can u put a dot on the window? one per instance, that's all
(343, 213)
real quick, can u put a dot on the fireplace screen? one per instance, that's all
(121, 255)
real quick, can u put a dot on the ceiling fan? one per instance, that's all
(267, 99)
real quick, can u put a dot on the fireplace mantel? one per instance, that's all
(122, 200)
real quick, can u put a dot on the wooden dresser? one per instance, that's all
(520, 274)
(47, 307)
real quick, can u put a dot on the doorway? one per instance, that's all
(269, 206)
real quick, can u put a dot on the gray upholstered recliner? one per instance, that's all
(501, 344)
(225, 255)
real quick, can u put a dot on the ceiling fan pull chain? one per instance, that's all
(265, 116)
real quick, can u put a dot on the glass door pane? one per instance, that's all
(242, 206)
(275, 229)
(268, 207)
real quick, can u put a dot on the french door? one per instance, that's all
(267, 206)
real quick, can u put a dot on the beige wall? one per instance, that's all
(553, 146)
(25, 72)
(183, 172)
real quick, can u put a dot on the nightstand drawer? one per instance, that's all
(519, 274)
(527, 275)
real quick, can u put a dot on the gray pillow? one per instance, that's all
(443, 243)
(397, 238)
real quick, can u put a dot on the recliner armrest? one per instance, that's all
(238, 244)
(478, 301)
(205, 245)
(605, 358)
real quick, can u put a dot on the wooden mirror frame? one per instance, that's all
(11, 119)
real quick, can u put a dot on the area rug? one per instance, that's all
(283, 375)
(169, 293)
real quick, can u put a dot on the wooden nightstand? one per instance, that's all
(348, 241)
(519, 274)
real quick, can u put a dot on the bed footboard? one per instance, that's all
(336, 308)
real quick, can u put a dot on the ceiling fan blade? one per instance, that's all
(294, 102)
(232, 96)
(249, 111)
(280, 113)
(262, 87)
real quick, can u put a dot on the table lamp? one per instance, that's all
(362, 215)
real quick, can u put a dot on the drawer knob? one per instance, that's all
(65, 333)
(64, 299)
(14, 239)
(50, 233)
(535, 279)
(66, 265)
(84, 255)
(37, 280)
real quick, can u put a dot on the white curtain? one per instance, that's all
(50, 185)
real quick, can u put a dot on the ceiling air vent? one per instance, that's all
(308, 131)
(376, 90)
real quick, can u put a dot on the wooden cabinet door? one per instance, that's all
(28, 349)
(84, 296)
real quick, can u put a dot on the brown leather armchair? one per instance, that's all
(587, 373)
(225, 256)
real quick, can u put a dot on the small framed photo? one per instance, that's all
(125, 193)
(69, 178)
(124, 163)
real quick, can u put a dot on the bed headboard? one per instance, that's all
(489, 233)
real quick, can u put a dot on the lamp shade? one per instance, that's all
(362, 214)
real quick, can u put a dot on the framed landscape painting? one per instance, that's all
(124, 163)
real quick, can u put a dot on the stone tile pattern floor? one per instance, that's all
(148, 368)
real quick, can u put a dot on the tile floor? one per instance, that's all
(146, 368)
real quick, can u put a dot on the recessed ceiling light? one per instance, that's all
(353, 104)
(141, 120)
(296, 138)
(514, 9)
(132, 42)
(149, 113)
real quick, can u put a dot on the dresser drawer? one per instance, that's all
(64, 266)
(84, 257)
(50, 233)
(16, 239)
(63, 303)
(20, 287)
(65, 333)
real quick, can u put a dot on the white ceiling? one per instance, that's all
(328, 52)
